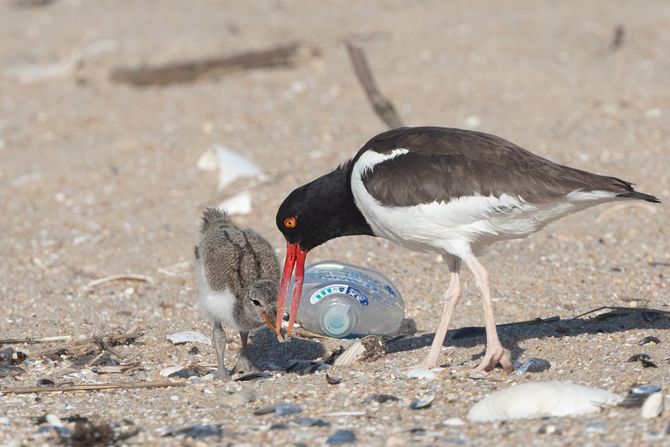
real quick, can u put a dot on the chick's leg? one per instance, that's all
(244, 363)
(219, 343)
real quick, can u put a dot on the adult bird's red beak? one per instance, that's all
(295, 257)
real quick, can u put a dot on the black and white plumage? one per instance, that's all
(237, 274)
(443, 190)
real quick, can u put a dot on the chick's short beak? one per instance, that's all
(295, 258)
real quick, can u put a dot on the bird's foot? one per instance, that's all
(428, 363)
(222, 374)
(245, 365)
(495, 353)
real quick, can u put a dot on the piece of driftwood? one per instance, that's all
(380, 104)
(122, 277)
(93, 387)
(95, 344)
(286, 55)
(32, 341)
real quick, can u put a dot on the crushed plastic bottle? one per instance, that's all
(342, 300)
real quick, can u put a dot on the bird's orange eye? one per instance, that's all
(290, 222)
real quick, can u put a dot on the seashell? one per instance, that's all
(333, 380)
(644, 359)
(541, 399)
(650, 339)
(653, 406)
(166, 372)
(531, 365)
(189, 337)
(423, 401)
(421, 373)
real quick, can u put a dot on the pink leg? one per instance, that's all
(495, 352)
(451, 298)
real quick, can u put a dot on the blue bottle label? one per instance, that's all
(340, 289)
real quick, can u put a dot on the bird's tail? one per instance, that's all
(213, 216)
(639, 195)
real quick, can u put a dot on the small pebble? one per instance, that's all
(596, 427)
(549, 429)
(380, 398)
(311, 422)
(333, 380)
(454, 422)
(4, 420)
(287, 409)
(650, 339)
(194, 350)
(279, 427)
(45, 382)
(341, 437)
(199, 431)
(240, 398)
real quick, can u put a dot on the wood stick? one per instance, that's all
(122, 277)
(32, 341)
(381, 105)
(94, 387)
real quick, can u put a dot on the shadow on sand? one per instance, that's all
(617, 319)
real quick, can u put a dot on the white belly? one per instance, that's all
(218, 305)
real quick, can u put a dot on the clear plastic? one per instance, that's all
(342, 300)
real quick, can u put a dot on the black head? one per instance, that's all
(321, 210)
(311, 215)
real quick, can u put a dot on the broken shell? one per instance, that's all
(423, 401)
(189, 337)
(653, 406)
(650, 339)
(541, 399)
(420, 373)
(531, 365)
(644, 359)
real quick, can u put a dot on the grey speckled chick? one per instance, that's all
(238, 277)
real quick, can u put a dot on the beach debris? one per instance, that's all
(332, 380)
(347, 413)
(595, 427)
(368, 348)
(541, 399)
(240, 397)
(182, 337)
(653, 406)
(91, 387)
(644, 359)
(30, 341)
(165, 372)
(531, 365)
(184, 373)
(341, 437)
(453, 422)
(10, 371)
(282, 409)
(380, 398)
(229, 163)
(283, 56)
(239, 204)
(310, 422)
(618, 38)
(420, 373)
(250, 376)
(550, 429)
(649, 339)
(45, 382)
(198, 431)
(423, 401)
(638, 394)
(122, 277)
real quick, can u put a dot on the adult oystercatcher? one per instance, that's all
(441, 190)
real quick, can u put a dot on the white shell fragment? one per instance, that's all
(230, 164)
(239, 204)
(189, 337)
(541, 399)
(165, 372)
(653, 406)
(352, 354)
(421, 373)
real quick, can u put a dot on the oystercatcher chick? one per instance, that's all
(434, 189)
(238, 275)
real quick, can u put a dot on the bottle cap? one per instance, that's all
(335, 320)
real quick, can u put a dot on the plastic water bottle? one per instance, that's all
(342, 300)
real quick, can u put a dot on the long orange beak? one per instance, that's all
(295, 257)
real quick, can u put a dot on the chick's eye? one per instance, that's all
(290, 222)
(256, 302)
